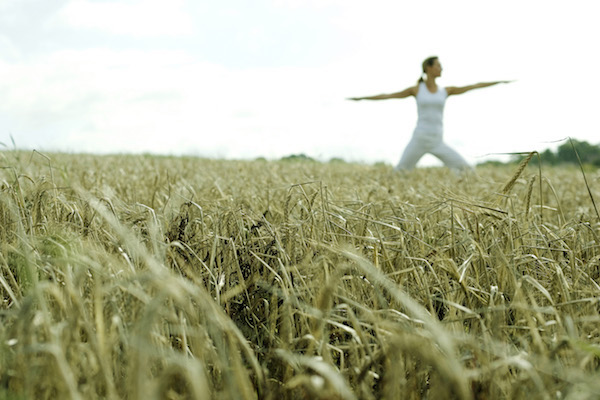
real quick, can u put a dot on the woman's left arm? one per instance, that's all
(453, 90)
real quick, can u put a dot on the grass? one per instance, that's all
(126, 277)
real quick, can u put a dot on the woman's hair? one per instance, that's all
(427, 63)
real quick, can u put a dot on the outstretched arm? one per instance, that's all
(453, 90)
(411, 91)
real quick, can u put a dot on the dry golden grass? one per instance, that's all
(137, 277)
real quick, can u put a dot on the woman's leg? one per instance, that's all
(450, 157)
(415, 149)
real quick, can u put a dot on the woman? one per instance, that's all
(428, 134)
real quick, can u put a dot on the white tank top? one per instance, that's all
(430, 110)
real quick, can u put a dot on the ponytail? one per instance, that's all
(427, 63)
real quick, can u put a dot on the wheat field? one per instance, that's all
(144, 277)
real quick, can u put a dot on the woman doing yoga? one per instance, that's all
(428, 134)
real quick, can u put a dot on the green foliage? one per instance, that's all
(298, 157)
(549, 157)
(588, 153)
(491, 163)
(337, 160)
(567, 153)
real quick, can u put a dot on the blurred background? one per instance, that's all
(268, 78)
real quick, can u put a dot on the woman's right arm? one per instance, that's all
(411, 91)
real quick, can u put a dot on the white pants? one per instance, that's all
(422, 143)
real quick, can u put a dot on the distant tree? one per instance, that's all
(548, 157)
(565, 154)
(381, 164)
(588, 153)
(492, 163)
(297, 157)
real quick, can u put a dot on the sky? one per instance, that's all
(241, 79)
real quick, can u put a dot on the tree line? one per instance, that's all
(566, 153)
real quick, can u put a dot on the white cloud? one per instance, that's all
(138, 19)
(8, 51)
(316, 4)
(104, 100)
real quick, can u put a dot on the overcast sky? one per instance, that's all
(251, 78)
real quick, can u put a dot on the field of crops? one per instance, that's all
(139, 277)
